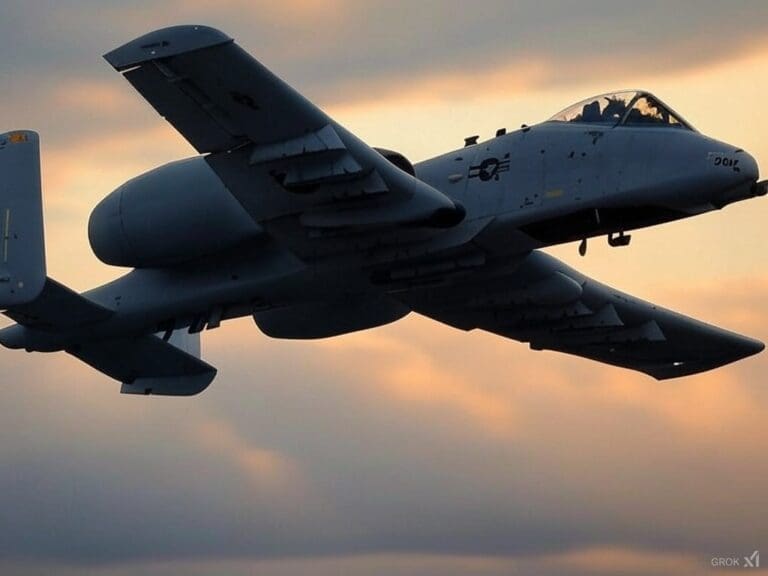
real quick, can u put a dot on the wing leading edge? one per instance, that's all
(551, 306)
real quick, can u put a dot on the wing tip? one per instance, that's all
(181, 385)
(751, 347)
(738, 350)
(741, 347)
(164, 43)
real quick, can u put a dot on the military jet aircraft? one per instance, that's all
(288, 217)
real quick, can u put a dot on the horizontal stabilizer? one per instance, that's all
(58, 307)
(149, 365)
(22, 250)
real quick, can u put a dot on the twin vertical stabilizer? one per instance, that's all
(22, 248)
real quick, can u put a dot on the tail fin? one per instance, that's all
(22, 247)
(44, 308)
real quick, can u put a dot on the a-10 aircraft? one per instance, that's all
(288, 217)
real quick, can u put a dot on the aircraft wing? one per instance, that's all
(540, 300)
(276, 152)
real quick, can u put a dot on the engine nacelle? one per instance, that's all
(398, 160)
(171, 214)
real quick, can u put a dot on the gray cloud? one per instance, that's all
(349, 49)
(348, 40)
(91, 478)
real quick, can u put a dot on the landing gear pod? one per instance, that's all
(22, 248)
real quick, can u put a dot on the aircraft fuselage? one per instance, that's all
(288, 217)
(535, 187)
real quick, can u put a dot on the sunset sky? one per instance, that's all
(413, 448)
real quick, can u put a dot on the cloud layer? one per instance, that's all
(414, 442)
(412, 449)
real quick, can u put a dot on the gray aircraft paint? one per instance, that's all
(288, 217)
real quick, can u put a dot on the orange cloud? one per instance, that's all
(406, 374)
(504, 77)
(280, 12)
(623, 561)
(89, 98)
(581, 562)
(505, 389)
(266, 470)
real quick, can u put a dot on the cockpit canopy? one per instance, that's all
(631, 108)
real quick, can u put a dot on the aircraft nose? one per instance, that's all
(749, 167)
(751, 172)
(738, 175)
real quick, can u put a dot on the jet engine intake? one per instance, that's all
(398, 160)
